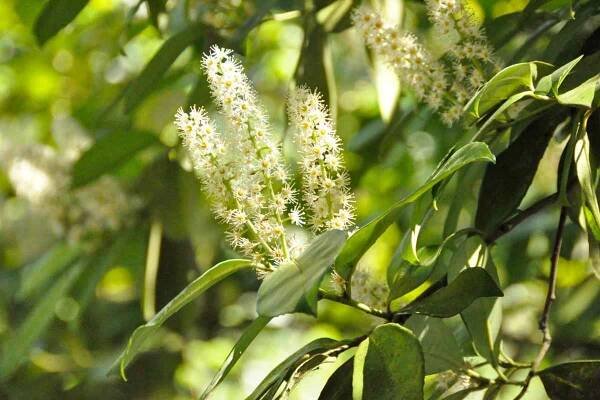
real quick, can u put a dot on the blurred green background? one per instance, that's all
(91, 83)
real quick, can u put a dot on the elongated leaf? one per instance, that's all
(312, 69)
(506, 182)
(56, 15)
(38, 274)
(511, 80)
(192, 291)
(339, 384)
(278, 374)
(573, 380)
(15, 349)
(153, 72)
(234, 355)
(293, 286)
(440, 349)
(552, 82)
(586, 176)
(583, 95)
(108, 153)
(468, 286)
(364, 238)
(392, 366)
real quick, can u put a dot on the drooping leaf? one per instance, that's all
(511, 80)
(16, 347)
(364, 238)
(339, 384)
(234, 355)
(192, 291)
(293, 285)
(36, 275)
(279, 373)
(108, 153)
(55, 15)
(153, 72)
(440, 349)
(469, 285)
(389, 365)
(576, 380)
(506, 182)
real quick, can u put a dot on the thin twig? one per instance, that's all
(353, 303)
(550, 297)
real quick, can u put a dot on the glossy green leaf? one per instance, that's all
(108, 153)
(36, 275)
(279, 373)
(552, 82)
(153, 72)
(293, 286)
(506, 182)
(505, 106)
(364, 238)
(17, 346)
(55, 15)
(469, 285)
(339, 384)
(583, 95)
(587, 178)
(234, 355)
(191, 292)
(573, 380)
(389, 365)
(440, 349)
(511, 80)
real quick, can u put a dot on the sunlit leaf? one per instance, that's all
(214, 275)
(364, 238)
(339, 384)
(389, 365)
(293, 285)
(234, 355)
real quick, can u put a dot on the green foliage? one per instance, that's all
(55, 15)
(574, 380)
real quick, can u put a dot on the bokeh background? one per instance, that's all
(74, 283)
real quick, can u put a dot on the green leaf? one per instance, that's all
(364, 238)
(17, 346)
(191, 291)
(56, 15)
(279, 373)
(234, 355)
(553, 81)
(576, 380)
(583, 95)
(506, 182)
(587, 179)
(293, 286)
(594, 254)
(392, 367)
(469, 285)
(440, 349)
(504, 84)
(36, 275)
(509, 102)
(339, 384)
(153, 72)
(108, 153)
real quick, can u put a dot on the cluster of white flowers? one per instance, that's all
(40, 175)
(467, 52)
(325, 181)
(243, 170)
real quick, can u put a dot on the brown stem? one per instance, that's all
(550, 297)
